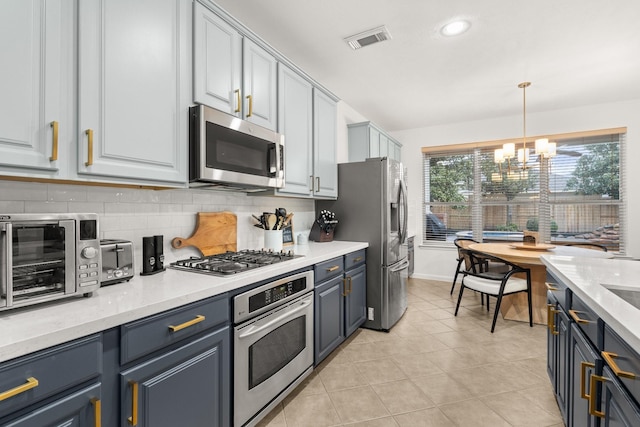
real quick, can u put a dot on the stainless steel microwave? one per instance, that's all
(230, 152)
(47, 256)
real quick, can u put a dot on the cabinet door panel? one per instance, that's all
(260, 79)
(133, 62)
(581, 352)
(325, 165)
(356, 304)
(619, 409)
(75, 410)
(329, 317)
(295, 122)
(187, 386)
(36, 41)
(217, 62)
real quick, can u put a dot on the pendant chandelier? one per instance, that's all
(543, 148)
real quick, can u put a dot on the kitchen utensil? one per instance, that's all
(215, 233)
(271, 222)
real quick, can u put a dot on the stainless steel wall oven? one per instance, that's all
(273, 344)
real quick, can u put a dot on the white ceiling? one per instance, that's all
(575, 52)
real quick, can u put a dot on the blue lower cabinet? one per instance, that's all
(329, 317)
(617, 407)
(187, 386)
(557, 353)
(584, 363)
(81, 408)
(356, 299)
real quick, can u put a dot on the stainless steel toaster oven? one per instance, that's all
(47, 256)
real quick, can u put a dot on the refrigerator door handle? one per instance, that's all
(402, 266)
(402, 204)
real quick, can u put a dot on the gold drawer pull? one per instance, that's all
(576, 317)
(250, 98)
(89, 161)
(344, 283)
(238, 101)
(593, 396)
(551, 319)
(31, 383)
(358, 259)
(97, 411)
(199, 318)
(54, 149)
(334, 268)
(583, 374)
(608, 357)
(550, 287)
(133, 419)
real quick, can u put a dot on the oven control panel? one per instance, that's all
(270, 295)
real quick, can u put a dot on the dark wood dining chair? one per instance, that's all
(495, 283)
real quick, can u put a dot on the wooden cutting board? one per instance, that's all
(215, 233)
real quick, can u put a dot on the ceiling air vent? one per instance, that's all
(367, 38)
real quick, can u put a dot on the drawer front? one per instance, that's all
(29, 379)
(328, 269)
(155, 332)
(354, 259)
(559, 290)
(587, 320)
(623, 360)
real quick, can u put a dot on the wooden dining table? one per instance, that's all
(515, 307)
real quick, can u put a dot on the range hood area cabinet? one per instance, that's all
(238, 73)
(367, 140)
(232, 73)
(133, 88)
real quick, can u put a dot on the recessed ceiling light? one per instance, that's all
(455, 28)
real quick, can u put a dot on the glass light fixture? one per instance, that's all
(509, 150)
(523, 155)
(542, 146)
(498, 156)
(455, 28)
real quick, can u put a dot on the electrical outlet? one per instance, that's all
(370, 313)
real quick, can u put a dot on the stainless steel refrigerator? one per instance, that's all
(372, 207)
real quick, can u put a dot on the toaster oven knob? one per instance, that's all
(89, 252)
(117, 273)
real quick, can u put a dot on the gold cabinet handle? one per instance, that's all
(199, 318)
(31, 383)
(358, 259)
(97, 411)
(551, 319)
(576, 317)
(133, 419)
(593, 396)
(250, 98)
(350, 280)
(334, 268)
(608, 357)
(550, 287)
(583, 374)
(89, 161)
(54, 149)
(238, 101)
(344, 283)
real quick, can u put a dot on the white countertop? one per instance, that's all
(585, 276)
(26, 330)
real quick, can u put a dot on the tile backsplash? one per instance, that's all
(134, 213)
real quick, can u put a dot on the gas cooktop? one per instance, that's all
(230, 263)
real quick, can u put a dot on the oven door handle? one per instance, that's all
(252, 330)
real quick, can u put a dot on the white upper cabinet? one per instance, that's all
(232, 73)
(325, 166)
(36, 83)
(260, 79)
(134, 89)
(366, 140)
(295, 121)
(217, 62)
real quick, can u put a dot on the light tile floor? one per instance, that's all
(431, 369)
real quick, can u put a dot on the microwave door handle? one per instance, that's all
(272, 159)
(6, 280)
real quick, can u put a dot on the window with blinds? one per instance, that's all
(574, 196)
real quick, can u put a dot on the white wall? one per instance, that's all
(438, 262)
